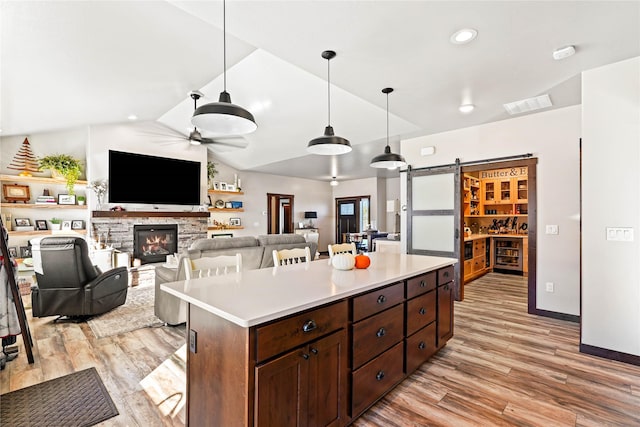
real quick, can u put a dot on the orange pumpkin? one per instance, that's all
(362, 261)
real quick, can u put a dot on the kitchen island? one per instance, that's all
(308, 344)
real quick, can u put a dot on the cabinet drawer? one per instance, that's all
(376, 301)
(479, 264)
(445, 275)
(420, 347)
(421, 311)
(421, 284)
(376, 377)
(374, 335)
(289, 333)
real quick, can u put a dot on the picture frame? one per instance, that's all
(231, 187)
(235, 222)
(13, 252)
(223, 186)
(228, 205)
(22, 222)
(66, 199)
(25, 251)
(210, 201)
(16, 193)
(41, 224)
(216, 185)
(66, 225)
(77, 224)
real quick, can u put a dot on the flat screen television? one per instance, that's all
(140, 178)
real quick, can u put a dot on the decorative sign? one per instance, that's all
(504, 173)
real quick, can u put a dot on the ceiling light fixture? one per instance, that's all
(132, 117)
(466, 108)
(563, 52)
(334, 182)
(329, 144)
(388, 160)
(223, 117)
(463, 36)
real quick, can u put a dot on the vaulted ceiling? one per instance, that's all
(68, 63)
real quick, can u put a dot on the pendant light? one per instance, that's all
(388, 160)
(223, 117)
(329, 144)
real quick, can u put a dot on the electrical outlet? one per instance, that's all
(193, 341)
(549, 286)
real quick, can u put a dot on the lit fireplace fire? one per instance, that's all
(156, 245)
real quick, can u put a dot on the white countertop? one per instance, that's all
(253, 297)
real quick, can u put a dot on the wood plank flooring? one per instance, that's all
(503, 367)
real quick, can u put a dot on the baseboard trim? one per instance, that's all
(610, 354)
(556, 315)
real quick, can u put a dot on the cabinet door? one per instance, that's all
(445, 313)
(328, 374)
(282, 391)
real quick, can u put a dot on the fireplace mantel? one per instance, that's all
(148, 214)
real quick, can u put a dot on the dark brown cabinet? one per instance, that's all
(319, 367)
(305, 387)
(445, 305)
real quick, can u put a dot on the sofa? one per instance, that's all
(257, 252)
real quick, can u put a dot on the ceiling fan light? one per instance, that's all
(224, 118)
(388, 160)
(466, 108)
(329, 144)
(334, 182)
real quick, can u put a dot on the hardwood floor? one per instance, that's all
(502, 367)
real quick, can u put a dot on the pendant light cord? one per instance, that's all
(224, 42)
(387, 119)
(329, 91)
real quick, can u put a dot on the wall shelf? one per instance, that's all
(34, 206)
(226, 210)
(225, 192)
(230, 227)
(39, 179)
(42, 232)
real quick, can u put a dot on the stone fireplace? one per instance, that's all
(152, 243)
(116, 229)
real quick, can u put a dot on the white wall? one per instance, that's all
(552, 137)
(611, 198)
(310, 195)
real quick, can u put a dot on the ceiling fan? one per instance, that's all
(221, 144)
(196, 138)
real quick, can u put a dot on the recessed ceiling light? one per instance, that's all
(463, 36)
(466, 108)
(132, 117)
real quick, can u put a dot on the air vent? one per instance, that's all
(529, 104)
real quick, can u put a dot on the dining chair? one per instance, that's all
(342, 248)
(212, 266)
(291, 256)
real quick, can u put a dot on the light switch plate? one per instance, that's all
(552, 229)
(620, 234)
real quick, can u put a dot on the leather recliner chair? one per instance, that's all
(68, 284)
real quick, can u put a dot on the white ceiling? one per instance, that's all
(68, 64)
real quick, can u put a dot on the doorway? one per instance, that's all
(279, 213)
(352, 216)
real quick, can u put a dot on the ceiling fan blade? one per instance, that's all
(239, 144)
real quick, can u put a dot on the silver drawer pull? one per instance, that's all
(380, 375)
(314, 350)
(305, 356)
(309, 326)
(422, 284)
(381, 332)
(422, 345)
(422, 311)
(382, 299)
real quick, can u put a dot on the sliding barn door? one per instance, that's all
(433, 213)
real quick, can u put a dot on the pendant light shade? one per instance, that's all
(329, 144)
(223, 117)
(388, 159)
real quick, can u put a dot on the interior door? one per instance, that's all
(433, 213)
(347, 218)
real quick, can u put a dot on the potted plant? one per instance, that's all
(56, 223)
(81, 200)
(64, 165)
